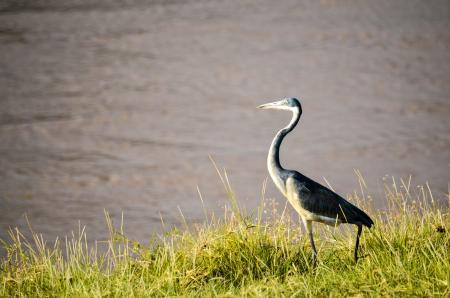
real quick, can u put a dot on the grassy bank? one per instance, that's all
(406, 253)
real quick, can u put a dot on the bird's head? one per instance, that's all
(288, 103)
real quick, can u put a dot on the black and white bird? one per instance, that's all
(313, 202)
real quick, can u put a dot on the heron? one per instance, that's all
(312, 201)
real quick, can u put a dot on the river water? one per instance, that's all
(116, 105)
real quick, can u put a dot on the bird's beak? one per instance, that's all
(270, 105)
(264, 106)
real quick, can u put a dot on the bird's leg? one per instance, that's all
(308, 225)
(357, 242)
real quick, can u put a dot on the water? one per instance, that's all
(117, 105)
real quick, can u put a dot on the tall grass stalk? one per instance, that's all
(406, 254)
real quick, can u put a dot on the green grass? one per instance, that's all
(405, 254)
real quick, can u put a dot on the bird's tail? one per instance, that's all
(365, 219)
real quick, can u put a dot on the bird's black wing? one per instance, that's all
(320, 200)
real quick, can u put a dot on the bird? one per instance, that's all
(312, 201)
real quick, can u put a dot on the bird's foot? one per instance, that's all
(359, 257)
(314, 260)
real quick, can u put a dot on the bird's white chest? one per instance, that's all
(293, 197)
(279, 183)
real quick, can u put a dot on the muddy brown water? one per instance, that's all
(116, 105)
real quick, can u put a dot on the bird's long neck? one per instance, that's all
(277, 172)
